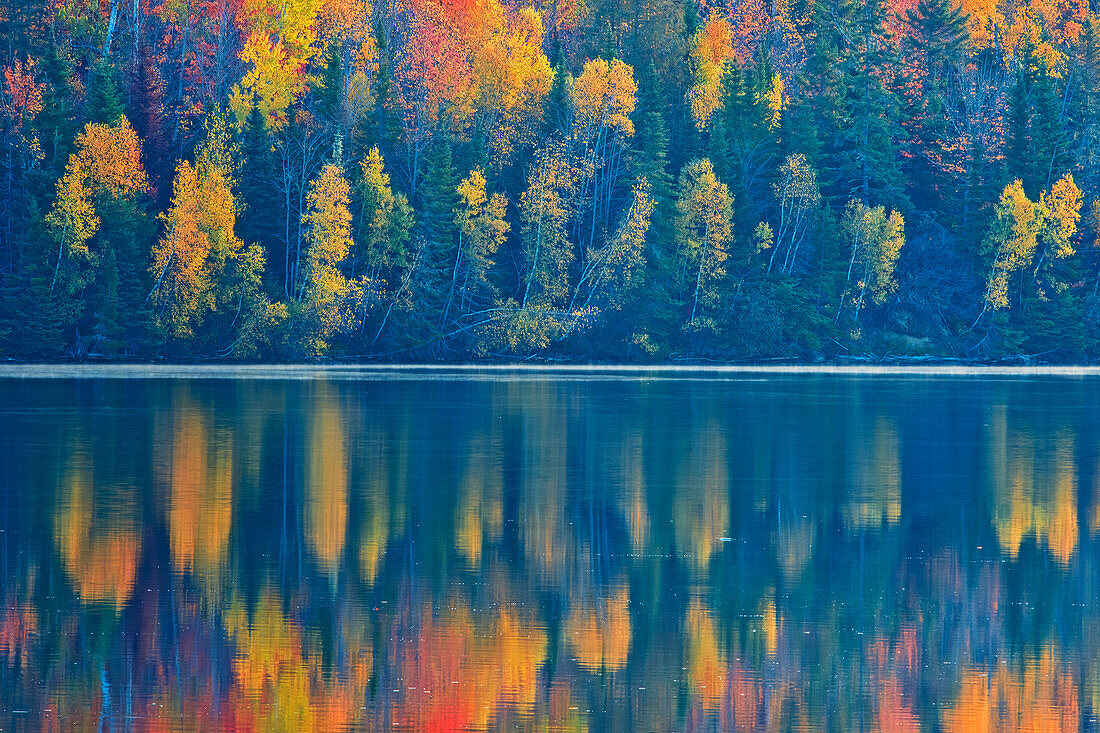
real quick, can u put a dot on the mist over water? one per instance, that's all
(566, 551)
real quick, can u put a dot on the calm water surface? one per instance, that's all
(794, 552)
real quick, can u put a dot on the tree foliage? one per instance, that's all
(550, 180)
(322, 289)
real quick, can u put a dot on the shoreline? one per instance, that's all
(377, 372)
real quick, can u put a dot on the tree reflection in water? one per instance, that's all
(784, 554)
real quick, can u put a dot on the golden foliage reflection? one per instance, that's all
(1035, 489)
(327, 481)
(599, 630)
(200, 496)
(99, 548)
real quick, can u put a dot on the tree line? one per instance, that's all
(499, 179)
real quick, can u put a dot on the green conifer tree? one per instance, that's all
(1037, 150)
(937, 41)
(435, 230)
(262, 205)
(104, 103)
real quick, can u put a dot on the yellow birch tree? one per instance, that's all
(704, 228)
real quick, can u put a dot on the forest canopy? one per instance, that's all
(726, 180)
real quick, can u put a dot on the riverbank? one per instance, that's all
(497, 371)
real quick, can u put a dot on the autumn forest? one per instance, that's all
(638, 181)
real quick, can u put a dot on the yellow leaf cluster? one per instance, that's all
(712, 47)
(1061, 210)
(547, 208)
(107, 163)
(615, 268)
(278, 48)
(183, 290)
(1045, 27)
(349, 20)
(876, 240)
(604, 96)
(323, 286)
(329, 222)
(189, 262)
(1022, 227)
(513, 76)
(772, 100)
(704, 228)
(1017, 230)
(797, 194)
(481, 224)
(488, 70)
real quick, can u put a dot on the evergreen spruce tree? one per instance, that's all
(818, 110)
(1037, 150)
(438, 196)
(329, 82)
(650, 159)
(1084, 112)
(435, 231)
(262, 204)
(938, 36)
(382, 128)
(858, 113)
(744, 147)
(104, 102)
(58, 122)
(937, 43)
(34, 324)
(147, 113)
(557, 108)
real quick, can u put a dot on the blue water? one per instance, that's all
(571, 550)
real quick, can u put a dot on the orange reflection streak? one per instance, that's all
(327, 483)
(458, 674)
(379, 508)
(706, 666)
(279, 681)
(701, 507)
(479, 510)
(630, 477)
(794, 546)
(99, 550)
(895, 715)
(200, 499)
(547, 543)
(18, 630)
(1042, 698)
(373, 538)
(747, 696)
(780, 631)
(271, 675)
(599, 630)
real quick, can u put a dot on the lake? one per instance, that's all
(549, 550)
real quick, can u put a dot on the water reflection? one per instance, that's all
(813, 553)
(96, 531)
(198, 470)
